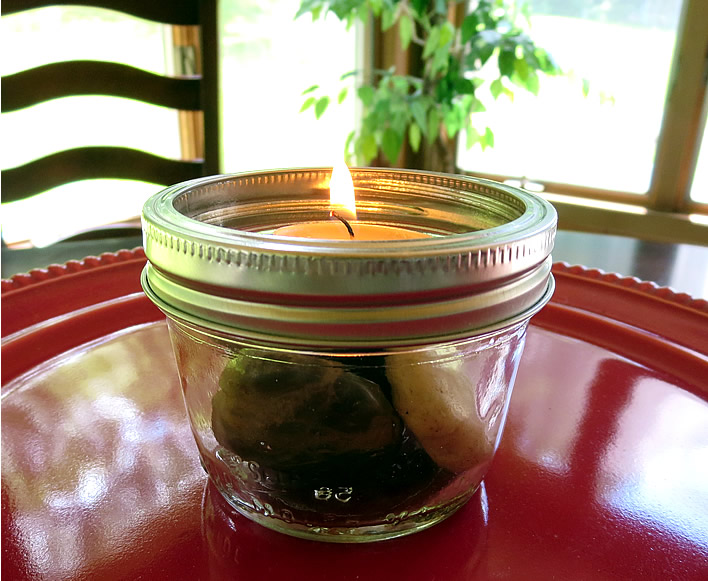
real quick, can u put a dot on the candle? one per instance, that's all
(336, 230)
(343, 225)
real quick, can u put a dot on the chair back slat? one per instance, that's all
(73, 78)
(92, 163)
(199, 93)
(184, 12)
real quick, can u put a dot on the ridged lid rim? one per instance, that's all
(225, 276)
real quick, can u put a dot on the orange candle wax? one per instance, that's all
(336, 230)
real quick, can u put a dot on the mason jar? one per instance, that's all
(347, 390)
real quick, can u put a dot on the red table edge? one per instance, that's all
(24, 295)
(661, 311)
(21, 281)
(631, 283)
(44, 299)
(18, 284)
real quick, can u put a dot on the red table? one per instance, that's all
(602, 472)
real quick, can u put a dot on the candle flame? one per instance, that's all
(341, 191)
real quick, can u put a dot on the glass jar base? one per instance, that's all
(394, 525)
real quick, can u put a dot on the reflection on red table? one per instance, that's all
(601, 473)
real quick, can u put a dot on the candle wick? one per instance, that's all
(343, 221)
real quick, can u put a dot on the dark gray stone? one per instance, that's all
(299, 410)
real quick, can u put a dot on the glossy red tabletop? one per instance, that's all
(602, 472)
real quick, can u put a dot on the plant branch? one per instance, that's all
(405, 7)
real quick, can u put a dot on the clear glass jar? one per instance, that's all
(357, 391)
(352, 445)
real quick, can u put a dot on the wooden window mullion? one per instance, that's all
(679, 140)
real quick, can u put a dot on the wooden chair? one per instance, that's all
(194, 93)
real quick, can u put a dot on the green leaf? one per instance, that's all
(454, 119)
(400, 85)
(368, 147)
(376, 6)
(312, 6)
(388, 19)
(348, 142)
(469, 27)
(482, 46)
(381, 112)
(342, 95)
(532, 83)
(521, 68)
(447, 33)
(487, 139)
(414, 136)
(321, 106)
(305, 7)
(366, 94)
(312, 88)
(431, 45)
(507, 58)
(420, 6)
(546, 62)
(532, 60)
(391, 144)
(465, 86)
(496, 88)
(473, 136)
(344, 10)
(308, 103)
(586, 87)
(525, 76)
(526, 12)
(345, 76)
(405, 30)
(440, 62)
(476, 106)
(433, 125)
(419, 114)
(399, 121)
(485, 53)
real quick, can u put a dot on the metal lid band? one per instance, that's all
(213, 259)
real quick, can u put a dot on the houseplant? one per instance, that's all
(462, 56)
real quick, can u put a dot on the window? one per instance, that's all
(699, 185)
(52, 34)
(623, 159)
(268, 60)
(619, 133)
(267, 57)
(598, 125)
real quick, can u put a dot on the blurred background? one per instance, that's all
(607, 141)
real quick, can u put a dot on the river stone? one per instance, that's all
(299, 410)
(437, 401)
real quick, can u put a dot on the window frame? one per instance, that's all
(666, 212)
